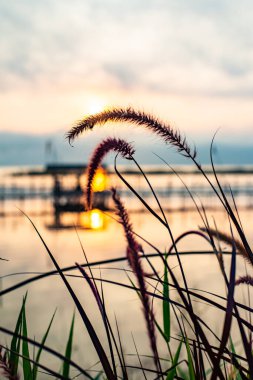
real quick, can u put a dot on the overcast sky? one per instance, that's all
(189, 62)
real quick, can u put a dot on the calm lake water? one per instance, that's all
(21, 245)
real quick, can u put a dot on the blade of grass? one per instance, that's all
(124, 371)
(35, 368)
(190, 361)
(229, 310)
(159, 328)
(27, 369)
(45, 348)
(68, 351)
(108, 329)
(233, 351)
(96, 263)
(94, 338)
(229, 209)
(15, 342)
(101, 305)
(173, 371)
(161, 221)
(139, 359)
(197, 295)
(166, 305)
(47, 370)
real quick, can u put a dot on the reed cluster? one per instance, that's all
(194, 351)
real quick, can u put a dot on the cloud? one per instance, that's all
(62, 40)
(164, 54)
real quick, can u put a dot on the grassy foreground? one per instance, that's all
(190, 351)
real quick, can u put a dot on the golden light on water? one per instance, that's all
(100, 180)
(93, 219)
(96, 219)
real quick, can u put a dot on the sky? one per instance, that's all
(188, 62)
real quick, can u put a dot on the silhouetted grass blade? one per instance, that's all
(166, 305)
(94, 338)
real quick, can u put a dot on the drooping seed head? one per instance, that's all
(248, 280)
(133, 249)
(165, 131)
(106, 146)
(230, 240)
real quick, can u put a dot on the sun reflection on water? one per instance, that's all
(96, 219)
(93, 219)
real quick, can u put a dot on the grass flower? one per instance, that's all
(248, 280)
(133, 249)
(5, 366)
(232, 241)
(129, 115)
(110, 144)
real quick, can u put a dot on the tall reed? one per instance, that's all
(198, 351)
(133, 249)
(129, 115)
(110, 144)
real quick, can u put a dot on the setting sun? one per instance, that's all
(96, 105)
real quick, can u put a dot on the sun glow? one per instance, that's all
(96, 105)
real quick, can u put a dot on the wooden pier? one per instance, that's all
(66, 198)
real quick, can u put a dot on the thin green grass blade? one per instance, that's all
(50, 351)
(68, 351)
(27, 369)
(15, 342)
(166, 305)
(182, 373)
(124, 370)
(37, 360)
(190, 362)
(159, 328)
(98, 375)
(133, 285)
(171, 374)
(232, 346)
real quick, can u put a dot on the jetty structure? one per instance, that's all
(70, 198)
(64, 184)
